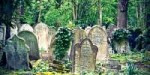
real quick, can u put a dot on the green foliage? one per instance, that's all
(121, 35)
(62, 42)
(70, 25)
(43, 66)
(109, 7)
(60, 15)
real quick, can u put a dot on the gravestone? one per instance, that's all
(31, 41)
(26, 27)
(42, 33)
(122, 47)
(112, 66)
(78, 35)
(52, 33)
(2, 33)
(2, 39)
(84, 57)
(98, 36)
(17, 56)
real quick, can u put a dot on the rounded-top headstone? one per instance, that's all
(84, 56)
(31, 41)
(42, 33)
(17, 56)
(98, 36)
(26, 27)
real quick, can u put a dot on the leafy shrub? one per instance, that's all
(62, 42)
(42, 67)
(121, 35)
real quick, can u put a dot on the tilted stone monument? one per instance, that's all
(52, 33)
(2, 39)
(17, 56)
(31, 41)
(25, 27)
(78, 35)
(98, 36)
(84, 56)
(42, 33)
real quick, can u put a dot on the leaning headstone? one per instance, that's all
(2, 33)
(78, 35)
(31, 41)
(42, 33)
(26, 27)
(85, 56)
(98, 36)
(17, 56)
(52, 33)
(2, 39)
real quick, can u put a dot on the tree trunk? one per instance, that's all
(100, 13)
(74, 9)
(147, 7)
(122, 14)
(21, 11)
(40, 10)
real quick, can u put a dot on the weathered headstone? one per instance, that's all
(26, 27)
(85, 56)
(98, 37)
(2, 39)
(31, 41)
(122, 47)
(51, 33)
(112, 66)
(2, 33)
(17, 56)
(42, 32)
(78, 35)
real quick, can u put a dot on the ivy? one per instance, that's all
(62, 43)
(121, 35)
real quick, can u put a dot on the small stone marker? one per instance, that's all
(98, 36)
(17, 56)
(42, 33)
(31, 41)
(85, 56)
(26, 27)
